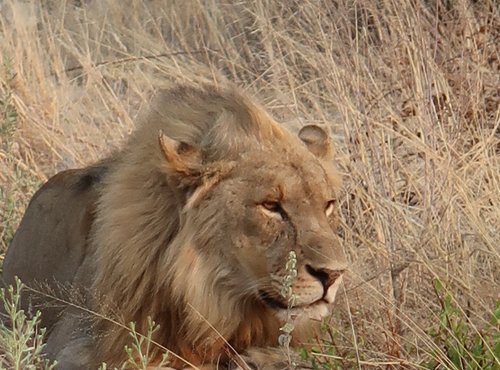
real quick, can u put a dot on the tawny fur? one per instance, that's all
(162, 246)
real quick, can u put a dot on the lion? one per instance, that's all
(190, 224)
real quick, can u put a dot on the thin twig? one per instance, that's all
(137, 58)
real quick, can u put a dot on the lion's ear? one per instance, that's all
(180, 157)
(317, 140)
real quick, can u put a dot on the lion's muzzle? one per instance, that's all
(330, 280)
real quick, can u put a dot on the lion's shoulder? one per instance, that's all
(51, 240)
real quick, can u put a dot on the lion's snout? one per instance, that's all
(327, 277)
(330, 280)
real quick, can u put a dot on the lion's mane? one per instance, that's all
(149, 268)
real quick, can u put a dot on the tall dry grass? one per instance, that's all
(409, 88)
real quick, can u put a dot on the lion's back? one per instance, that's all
(51, 241)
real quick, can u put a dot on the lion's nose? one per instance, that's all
(326, 276)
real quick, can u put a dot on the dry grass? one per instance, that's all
(410, 89)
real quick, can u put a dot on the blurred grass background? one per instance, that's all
(411, 92)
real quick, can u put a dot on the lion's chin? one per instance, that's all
(315, 311)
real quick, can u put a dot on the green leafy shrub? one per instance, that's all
(459, 345)
(21, 340)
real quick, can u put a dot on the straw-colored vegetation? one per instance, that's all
(409, 88)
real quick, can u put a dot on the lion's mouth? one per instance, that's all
(316, 310)
(275, 303)
(272, 302)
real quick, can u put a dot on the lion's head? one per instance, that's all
(212, 215)
(274, 200)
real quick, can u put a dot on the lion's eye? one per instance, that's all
(330, 206)
(273, 209)
(272, 206)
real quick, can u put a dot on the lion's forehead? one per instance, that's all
(289, 178)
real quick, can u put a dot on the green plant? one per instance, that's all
(286, 291)
(7, 213)
(330, 353)
(8, 111)
(139, 352)
(21, 340)
(8, 120)
(463, 346)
